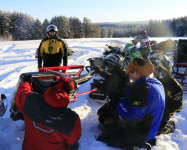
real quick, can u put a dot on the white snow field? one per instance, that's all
(19, 57)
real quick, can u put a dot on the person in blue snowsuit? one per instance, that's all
(141, 110)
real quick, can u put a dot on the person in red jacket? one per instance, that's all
(49, 124)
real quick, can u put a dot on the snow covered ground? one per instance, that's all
(19, 57)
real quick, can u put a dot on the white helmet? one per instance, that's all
(52, 28)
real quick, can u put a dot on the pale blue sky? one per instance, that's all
(99, 10)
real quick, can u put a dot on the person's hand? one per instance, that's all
(27, 78)
(97, 69)
(2, 96)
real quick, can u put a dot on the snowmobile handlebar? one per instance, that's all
(113, 49)
(77, 79)
(56, 73)
(86, 92)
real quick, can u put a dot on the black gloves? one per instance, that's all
(97, 69)
(2, 97)
(27, 78)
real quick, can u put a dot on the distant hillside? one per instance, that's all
(123, 22)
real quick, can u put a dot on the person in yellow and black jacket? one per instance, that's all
(52, 49)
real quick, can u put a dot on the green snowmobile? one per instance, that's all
(131, 51)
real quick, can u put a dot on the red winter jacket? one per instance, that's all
(36, 137)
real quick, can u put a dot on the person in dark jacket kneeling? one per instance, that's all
(49, 124)
(173, 92)
(141, 110)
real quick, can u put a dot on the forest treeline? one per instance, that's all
(20, 26)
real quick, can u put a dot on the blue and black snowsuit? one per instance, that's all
(141, 112)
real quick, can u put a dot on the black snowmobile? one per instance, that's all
(99, 82)
(115, 47)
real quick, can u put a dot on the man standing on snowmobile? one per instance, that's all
(145, 46)
(141, 109)
(52, 49)
(173, 92)
(49, 124)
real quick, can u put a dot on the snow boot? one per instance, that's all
(168, 128)
(109, 120)
(97, 95)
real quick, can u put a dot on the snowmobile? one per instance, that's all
(180, 63)
(114, 47)
(128, 53)
(106, 63)
(131, 51)
(48, 75)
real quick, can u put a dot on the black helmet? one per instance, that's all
(143, 32)
(162, 63)
(52, 28)
(112, 60)
(3, 104)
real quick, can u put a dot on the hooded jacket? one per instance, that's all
(143, 108)
(47, 126)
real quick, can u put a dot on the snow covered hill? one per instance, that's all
(19, 57)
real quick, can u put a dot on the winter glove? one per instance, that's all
(27, 78)
(74, 146)
(65, 83)
(2, 97)
(97, 69)
(178, 96)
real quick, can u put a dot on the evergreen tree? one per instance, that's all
(45, 24)
(75, 27)
(23, 28)
(90, 30)
(62, 24)
(104, 32)
(36, 29)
